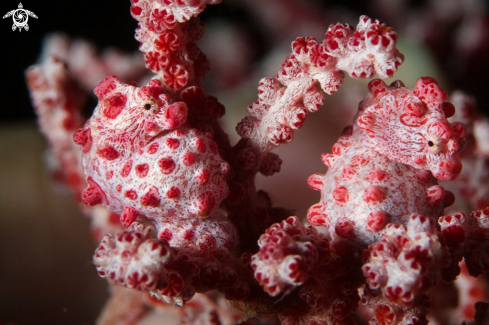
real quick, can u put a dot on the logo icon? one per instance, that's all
(20, 17)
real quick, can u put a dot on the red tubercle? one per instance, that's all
(94, 194)
(348, 172)
(458, 130)
(173, 192)
(108, 152)
(377, 88)
(441, 129)
(202, 176)
(344, 228)
(175, 115)
(114, 105)
(348, 130)
(316, 182)
(199, 145)
(373, 194)
(153, 148)
(448, 109)
(338, 148)
(366, 121)
(188, 159)
(213, 147)
(126, 169)
(128, 216)
(204, 204)
(135, 10)
(151, 198)
(376, 175)
(105, 86)
(83, 137)
(359, 160)
(423, 176)
(167, 165)
(376, 221)
(131, 194)
(172, 143)
(328, 159)
(142, 170)
(415, 109)
(428, 91)
(340, 194)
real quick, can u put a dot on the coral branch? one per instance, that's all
(281, 108)
(404, 262)
(476, 246)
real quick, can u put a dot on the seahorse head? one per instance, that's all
(409, 125)
(128, 117)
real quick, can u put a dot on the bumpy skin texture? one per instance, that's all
(377, 170)
(136, 166)
(418, 117)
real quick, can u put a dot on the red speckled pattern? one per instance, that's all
(136, 166)
(377, 174)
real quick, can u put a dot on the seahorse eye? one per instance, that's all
(147, 107)
(430, 143)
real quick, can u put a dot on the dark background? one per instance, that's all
(109, 24)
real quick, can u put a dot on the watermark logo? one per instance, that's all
(20, 17)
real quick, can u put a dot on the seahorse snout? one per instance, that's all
(172, 116)
(447, 169)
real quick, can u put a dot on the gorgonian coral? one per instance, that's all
(157, 157)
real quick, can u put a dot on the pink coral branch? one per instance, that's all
(167, 37)
(281, 109)
(156, 155)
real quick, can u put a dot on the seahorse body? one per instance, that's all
(381, 170)
(137, 166)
